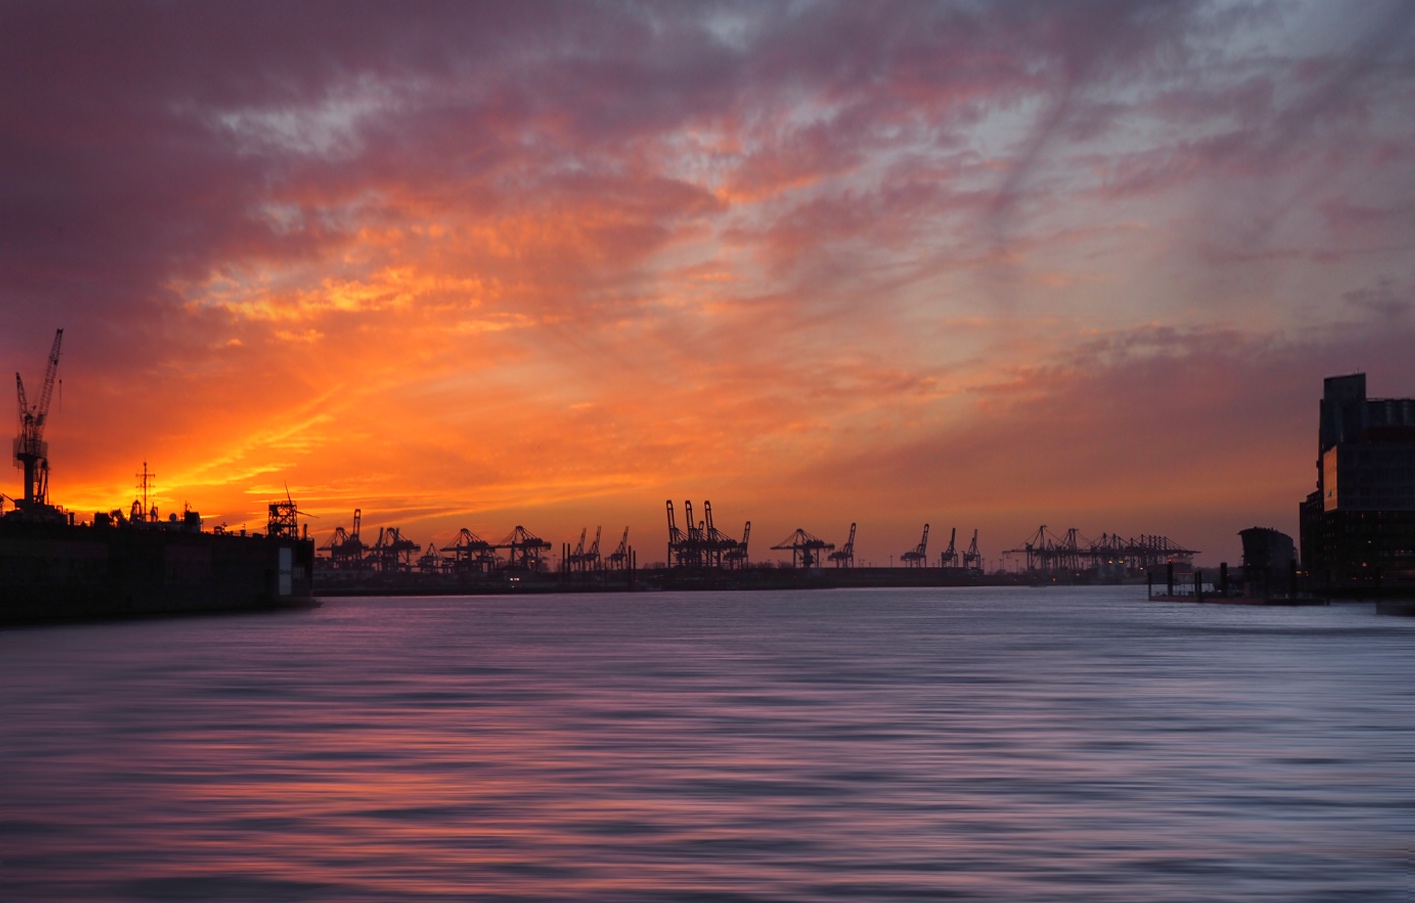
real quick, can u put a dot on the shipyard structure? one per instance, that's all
(56, 566)
(701, 555)
(1358, 526)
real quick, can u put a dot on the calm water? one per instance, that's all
(1010, 745)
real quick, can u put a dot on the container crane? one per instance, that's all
(805, 548)
(591, 556)
(573, 559)
(346, 549)
(31, 451)
(694, 548)
(430, 562)
(949, 559)
(919, 556)
(392, 553)
(1050, 553)
(619, 558)
(1036, 547)
(736, 557)
(525, 548)
(702, 545)
(583, 558)
(972, 558)
(470, 554)
(845, 556)
(675, 538)
(717, 545)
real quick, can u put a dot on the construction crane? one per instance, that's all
(845, 556)
(949, 558)
(919, 556)
(619, 558)
(972, 558)
(805, 548)
(31, 451)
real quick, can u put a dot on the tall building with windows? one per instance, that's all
(1358, 527)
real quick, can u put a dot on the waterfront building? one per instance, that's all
(1269, 557)
(1358, 526)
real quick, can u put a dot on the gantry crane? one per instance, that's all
(392, 553)
(973, 559)
(702, 545)
(919, 556)
(430, 562)
(583, 558)
(346, 549)
(1035, 548)
(470, 554)
(1048, 552)
(736, 557)
(675, 537)
(31, 451)
(525, 548)
(695, 548)
(572, 559)
(805, 548)
(949, 558)
(619, 558)
(845, 557)
(591, 556)
(719, 548)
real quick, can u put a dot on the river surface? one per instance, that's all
(998, 744)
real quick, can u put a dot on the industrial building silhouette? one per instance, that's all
(1358, 526)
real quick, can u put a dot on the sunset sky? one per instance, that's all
(985, 265)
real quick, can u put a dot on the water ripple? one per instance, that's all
(1002, 745)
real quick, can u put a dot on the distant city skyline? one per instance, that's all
(981, 265)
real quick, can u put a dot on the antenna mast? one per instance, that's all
(147, 480)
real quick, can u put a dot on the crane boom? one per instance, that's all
(50, 372)
(846, 556)
(24, 404)
(973, 558)
(918, 556)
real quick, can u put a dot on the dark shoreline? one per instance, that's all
(333, 584)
